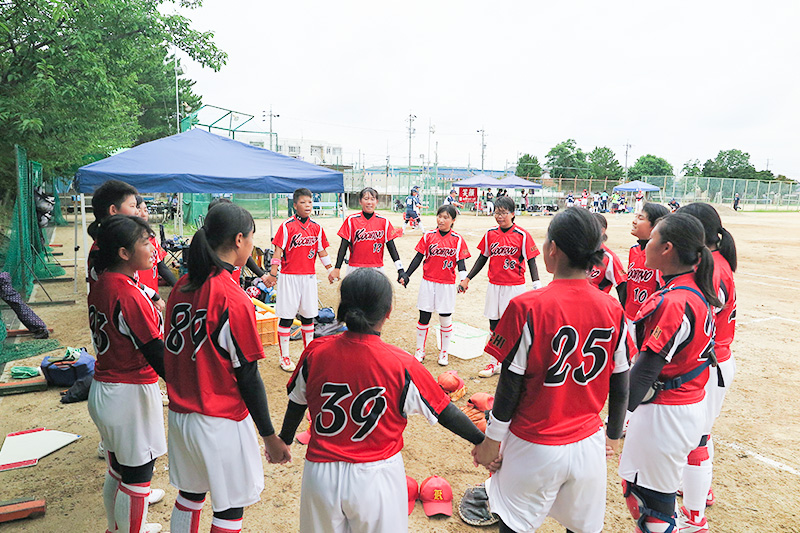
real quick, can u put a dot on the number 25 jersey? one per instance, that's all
(360, 391)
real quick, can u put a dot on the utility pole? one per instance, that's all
(767, 165)
(432, 129)
(411, 131)
(627, 146)
(271, 115)
(483, 146)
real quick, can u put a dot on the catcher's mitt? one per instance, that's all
(478, 417)
(474, 507)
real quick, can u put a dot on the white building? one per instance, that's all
(314, 151)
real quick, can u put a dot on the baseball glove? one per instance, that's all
(474, 507)
(478, 417)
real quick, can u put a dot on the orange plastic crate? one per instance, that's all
(267, 326)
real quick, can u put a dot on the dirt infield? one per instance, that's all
(757, 467)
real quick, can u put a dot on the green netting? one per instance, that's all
(23, 350)
(196, 205)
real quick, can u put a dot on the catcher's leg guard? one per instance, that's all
(653, 511)
(697, 476)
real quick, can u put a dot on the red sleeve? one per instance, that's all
(531, 250)
(345, 230)
(620, 275)
(428, 388)
(323, 240)
(243, 329)
(280, 237)
(483, 246)
(391, 232)
(662, 325)
(160, 252)
(463, 252)
(140, 317)
(421, 246)
(507, 333)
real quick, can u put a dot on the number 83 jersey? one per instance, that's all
(566, 340)
(360, 391)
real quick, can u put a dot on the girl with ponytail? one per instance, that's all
(215, 391)
(563, 350)
(697, 493)
(359, 391)
(124, 399)
(675, 335)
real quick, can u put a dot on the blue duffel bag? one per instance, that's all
(63, 372)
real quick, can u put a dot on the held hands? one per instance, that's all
(487, 453)
(271, 280)
(265, 277)
(612, 447)
(463, 285)
(402, 278)
(276, 451)
(333, 275)
(160, 305)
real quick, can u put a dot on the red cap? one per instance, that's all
(450, 381)
(482, 401)
(413, 493)
(437, 496)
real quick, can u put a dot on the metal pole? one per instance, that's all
(177, 98)
(85, 240)
(75, 248)
(411, 118)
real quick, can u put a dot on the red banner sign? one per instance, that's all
(467, 195)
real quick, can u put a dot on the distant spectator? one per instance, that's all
(451, 199)
(736, 202)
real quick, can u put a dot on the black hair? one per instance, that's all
(139, 200)
(654, 212)
(368, 190)
(686, 234)
(366, 298)
(298, 193)
(449, 209)
(115, 232)
(218, 200)
(112, 192)
(505, 202)
(603, 224)
(221, 226)
(716, 235)
(577, 233)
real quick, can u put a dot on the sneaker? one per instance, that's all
(287, 364)
(710, 499)
(443, 360)
(41, 334)
(164, 397)
(101, 450)
(152, 528)
(419, 355)
(155, 496)
(490, 370)
(688, 525)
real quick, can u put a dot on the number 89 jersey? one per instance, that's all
(360, 391)
(208, 333)
(566, 340)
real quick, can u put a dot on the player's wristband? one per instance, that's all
(275, 261)
(326, 261)
(398, 265)
(462, 274)
(537, 284)
(495, 429)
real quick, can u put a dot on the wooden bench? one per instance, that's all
(319, 206)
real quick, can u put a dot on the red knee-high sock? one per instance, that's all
(219, 525)
(130, 507)
(186, 515)
(283, 341)
(308, 333)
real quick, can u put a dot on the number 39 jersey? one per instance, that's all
(441, 252)
(209, 332)
(642, 281)
(360, 391)
(122, 319)
(566, 340)
(508, 251)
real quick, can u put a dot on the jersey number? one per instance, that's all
(179, 321)
(97, 322)
(376, 248)
(639, 295)
(366, 410)
(447, 264)
(509, 264)
(564, 343)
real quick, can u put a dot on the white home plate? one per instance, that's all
(466, 342)
(25, 448)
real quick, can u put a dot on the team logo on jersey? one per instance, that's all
(656, 332)
(594, 272)
(497, 340)
(364, 235)
(299, 240)
(434, 250)
(640, 275)
(497, 249)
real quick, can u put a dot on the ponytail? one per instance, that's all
(113, 233)
(727, 247)
(704, 277)
(577, 233)
(222, 225)
(366, 299)
(715, 234)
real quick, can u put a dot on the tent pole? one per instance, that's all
(271, 234)
(180, 214)
(85, 241)
(75, 248)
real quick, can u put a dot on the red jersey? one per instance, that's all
(610, 274)
(508, 251)
(122, 319)
(93, 275)
(565, 339)
(642, 281)
(441, 252)
(300, 244)
(725, 318)
(681, 330)
(150, 277)
(210, 332)
(367, 237)
(360, 391)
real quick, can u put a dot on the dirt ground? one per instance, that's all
(757, 467)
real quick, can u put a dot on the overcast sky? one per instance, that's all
(681, 80)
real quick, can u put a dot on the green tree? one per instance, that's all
(730, 164)
(77, 76)
(603, 164)
(566, 160)
(528, 166)
(692, 168)
(649, 165)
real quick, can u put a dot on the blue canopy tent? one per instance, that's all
(636, 185)
(515, 182)
(478, 180)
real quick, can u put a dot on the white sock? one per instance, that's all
(422, 334)
(283, 340)
(130, 507)
(656, 526)
(110, 489)
(186, 515)
(446, 331)
(697, 476)
(219, 525)
(308, 333)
